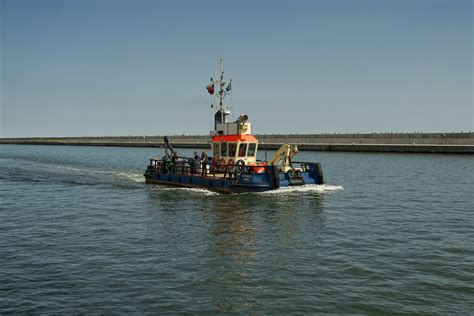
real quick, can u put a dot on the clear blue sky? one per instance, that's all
(104, 67)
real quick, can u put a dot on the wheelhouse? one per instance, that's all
(229, 149)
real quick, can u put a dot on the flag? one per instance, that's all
(229, 87)
(210, 87)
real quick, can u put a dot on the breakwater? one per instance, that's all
(445, 143)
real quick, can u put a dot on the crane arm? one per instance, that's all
(169, 147)
(283, 156)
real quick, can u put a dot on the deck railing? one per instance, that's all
(193, 167)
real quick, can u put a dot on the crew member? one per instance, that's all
(203, 163)
(195, 163)
(173, 162)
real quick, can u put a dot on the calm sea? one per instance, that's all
(80, 232)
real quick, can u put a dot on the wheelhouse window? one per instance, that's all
(217, 149)
(223, 149)
(242, 149)
(251, 150)
(232, 149)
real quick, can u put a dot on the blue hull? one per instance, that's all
(196, 181)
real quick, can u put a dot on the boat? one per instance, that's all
(233, 166)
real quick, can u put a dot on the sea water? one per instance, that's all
(81, 232)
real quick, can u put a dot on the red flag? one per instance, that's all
(210, 88)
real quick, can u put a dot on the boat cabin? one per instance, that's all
(232, 148)
(233, 142)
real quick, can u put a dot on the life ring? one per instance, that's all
(240, 162)
(221, 164)
(239, 167)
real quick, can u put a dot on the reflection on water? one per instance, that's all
(237, 231)
(233, 252)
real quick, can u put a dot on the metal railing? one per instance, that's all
(193, 167)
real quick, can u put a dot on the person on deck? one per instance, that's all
(204, 163)
(174, 158)
(195, 163)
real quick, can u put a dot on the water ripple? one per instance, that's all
(80, 232)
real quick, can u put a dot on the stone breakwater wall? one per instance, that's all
(458, 143)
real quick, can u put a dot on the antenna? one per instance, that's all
(221, 90)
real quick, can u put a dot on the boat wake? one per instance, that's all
(135, 177)
(131, 176)
(187, 190)
(308, 188)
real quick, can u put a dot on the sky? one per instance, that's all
(105, 67)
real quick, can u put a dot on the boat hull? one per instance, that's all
(199, 182)
(244, 183)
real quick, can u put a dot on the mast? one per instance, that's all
(222, 111)
(221, 91)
